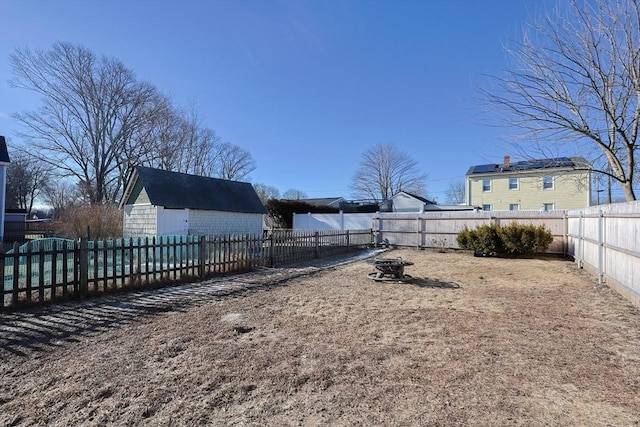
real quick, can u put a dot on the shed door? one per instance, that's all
(173, 221)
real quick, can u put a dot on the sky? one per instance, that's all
(305, 86)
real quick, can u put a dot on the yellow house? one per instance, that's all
(545, 184)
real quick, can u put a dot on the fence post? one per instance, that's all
(317, 243)
(202, 250)
(565, 234)
(378, 230)
(16, 274)
(601, 247)
(581, 240)
(348, 243)
(83, 265)
(271, 249)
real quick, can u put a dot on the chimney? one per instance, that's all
(506, 161)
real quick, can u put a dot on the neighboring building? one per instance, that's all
(332, 202)
(546, 184)
(158, 202)
(406, 202)
(4, 162)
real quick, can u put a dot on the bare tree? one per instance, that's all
(60, 195)
(456, 192)
(92, 110)
(576, 80)
(232, 162)
(26, 178)
(266, 192)
(294, 194)
(386, 170)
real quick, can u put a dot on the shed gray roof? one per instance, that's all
(181, 190)
(415, 196)
(4, 154)
(532, 165)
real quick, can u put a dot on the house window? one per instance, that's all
(514, 206)
(513, 184)
(486, 207)
(486, 185)
(548, 206)
(547, 182)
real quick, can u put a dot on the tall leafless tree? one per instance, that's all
(456, 192)
(385, 170)
(575, 80)
(92, 110)
(26, 179)
(266, 192)
(60, 195)
(232, 162)
(294, 194)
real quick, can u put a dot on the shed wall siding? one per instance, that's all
(570, 191)
(404, 203)
(139, 220)
(138, 195)
(216, 222)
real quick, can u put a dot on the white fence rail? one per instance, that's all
(340, 221)
(430, 229)
(604, 239)
(439, 229)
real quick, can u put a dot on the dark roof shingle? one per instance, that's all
(181, 190)
(4, 154)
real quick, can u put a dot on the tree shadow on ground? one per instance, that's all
(433, 283)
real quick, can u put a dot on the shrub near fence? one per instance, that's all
(60, 269)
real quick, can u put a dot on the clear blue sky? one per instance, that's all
(304, 86)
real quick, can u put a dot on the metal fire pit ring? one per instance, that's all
(390, 270)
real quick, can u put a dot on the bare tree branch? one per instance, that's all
(384, 170)
(576, 80)
(456, 192)
(92, 110)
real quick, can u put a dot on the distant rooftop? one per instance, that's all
(4, 154)
(530, 165)
(322, 201)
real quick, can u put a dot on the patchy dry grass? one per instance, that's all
(473, 341)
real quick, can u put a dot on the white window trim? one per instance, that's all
(487, 204)
(490, 185)
(517, 184)
(517, 205)
(553, 182)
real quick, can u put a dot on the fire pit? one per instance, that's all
(390, 270)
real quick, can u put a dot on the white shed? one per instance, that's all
(407, 202)
(158, 202)
(4, 163)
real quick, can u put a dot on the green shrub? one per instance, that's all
(511, 240)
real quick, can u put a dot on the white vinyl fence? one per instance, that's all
(604, 239)
(430, 229)
(340, 221)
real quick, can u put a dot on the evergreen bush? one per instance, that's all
(511, 240)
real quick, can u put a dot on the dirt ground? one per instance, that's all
(472, 341)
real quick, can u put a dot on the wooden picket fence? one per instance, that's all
(57, 269)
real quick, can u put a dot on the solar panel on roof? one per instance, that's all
(484, 168)
(558, 162)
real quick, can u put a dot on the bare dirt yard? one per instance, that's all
(472, 341)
